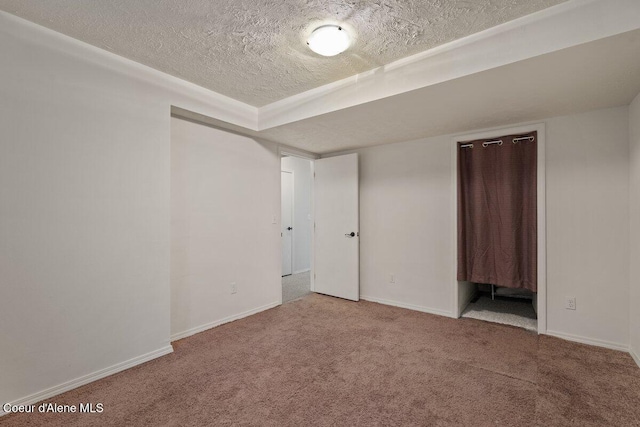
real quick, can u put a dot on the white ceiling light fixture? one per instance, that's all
(329, 40)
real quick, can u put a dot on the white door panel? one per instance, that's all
(337, 252)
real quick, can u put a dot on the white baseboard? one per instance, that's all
(635, 356)
(202, 328)
(86, 379)
(301, 271)
(408, 306)
(590, 341)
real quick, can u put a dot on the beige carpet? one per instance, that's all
(508, 311)
(296, 286)
(329, 362)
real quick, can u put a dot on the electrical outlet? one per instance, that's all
(570, 303)
(392, 278)
(234, 287)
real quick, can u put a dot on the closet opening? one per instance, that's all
(516, 307)
(499, 237)
(296, 225)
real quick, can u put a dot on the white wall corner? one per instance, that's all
(184, 334)
(634, 224)
(183, 93)
(635, 355)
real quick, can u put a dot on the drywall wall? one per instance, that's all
(405, 224)
(221, 186)
(634, 215)
(302, 223)
(407, 212)
(85, 209)
(84, 254)
(588, 225)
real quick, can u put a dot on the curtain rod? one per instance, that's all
(499, 141)
(488, 143)
(529, 138)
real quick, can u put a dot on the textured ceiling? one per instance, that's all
(254, 50)
(599, 74)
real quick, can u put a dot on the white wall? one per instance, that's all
(85, 209)
(587, 224)
(302, 223)
(634, 253)
(224, 192)
(405, 224)
(84, 190)
(407, 212)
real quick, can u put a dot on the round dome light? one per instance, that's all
(329, 40)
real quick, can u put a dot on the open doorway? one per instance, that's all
(296, 226)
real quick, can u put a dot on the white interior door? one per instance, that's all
(336, 235)
(286, 222)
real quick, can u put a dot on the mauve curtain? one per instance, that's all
(497, 212)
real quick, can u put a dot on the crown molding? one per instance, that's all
(565, 25)
(177, 91)
(559, 27)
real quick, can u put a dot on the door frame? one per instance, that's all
(284, 150)
(463, 298)
(293, 214)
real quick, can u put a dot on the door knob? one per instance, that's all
(289, 228)
(352, 234)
